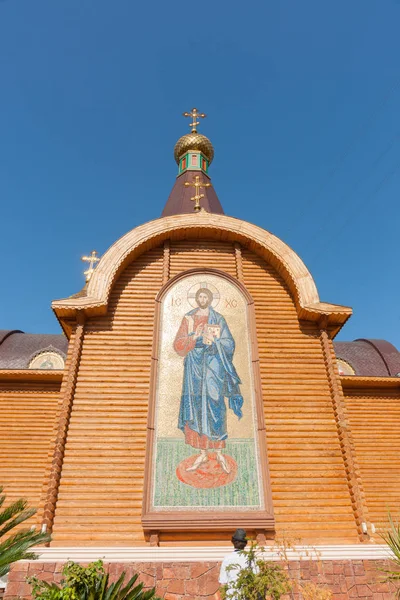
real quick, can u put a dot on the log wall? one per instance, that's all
(309, 486)
(100, 496)
(101, 487)
(28, 413)
(374, 416)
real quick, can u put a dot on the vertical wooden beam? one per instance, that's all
(353, 474)
(166, 264)
(154, 538)
(239, 261)
(62, 429)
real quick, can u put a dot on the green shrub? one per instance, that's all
(89, 583)
(258, 580)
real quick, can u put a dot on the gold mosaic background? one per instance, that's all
(233, 308)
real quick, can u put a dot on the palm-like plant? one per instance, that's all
(16, 546)
(116, 591)
(89, 583)
(392, 539)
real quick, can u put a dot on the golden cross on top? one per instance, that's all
(194, 114)
(197, 184)
(92, 260)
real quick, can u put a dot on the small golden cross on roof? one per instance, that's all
(92, 260)
(194, 114)
(197, 184)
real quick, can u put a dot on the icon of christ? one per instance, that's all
(207, 345)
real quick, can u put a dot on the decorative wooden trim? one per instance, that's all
(210, 520)
(154, 538)
(355, 381)
(204, 225)
(31, 375)
(345, 438)
(62, 429)
(239, 261)
(166, 261)
(207, 521)
(175, 554)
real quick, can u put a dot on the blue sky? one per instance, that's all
(305, 95)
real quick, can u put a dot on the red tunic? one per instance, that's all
(184, 342)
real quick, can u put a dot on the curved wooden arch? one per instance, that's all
(195, 226)
(207, 270)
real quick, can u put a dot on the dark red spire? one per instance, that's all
(193, 190)
(180, 202)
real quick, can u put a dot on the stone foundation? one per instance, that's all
(346, 579)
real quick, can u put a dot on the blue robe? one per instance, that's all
(210, 377)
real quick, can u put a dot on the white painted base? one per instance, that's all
(206, 554)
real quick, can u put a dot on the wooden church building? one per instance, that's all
(197, 388)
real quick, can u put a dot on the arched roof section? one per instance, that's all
(370, 358)
(18, 349)
(195, 226)
(5, 333)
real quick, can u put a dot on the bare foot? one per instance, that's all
(202, 458)
(222, 461)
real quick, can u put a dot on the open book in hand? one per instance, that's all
(211, 333)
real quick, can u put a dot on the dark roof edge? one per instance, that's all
(5, 333)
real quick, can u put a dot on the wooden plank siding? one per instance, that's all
(374, 417)
(100, 496)
(28, 413)
(309, 486)
(194, 254)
